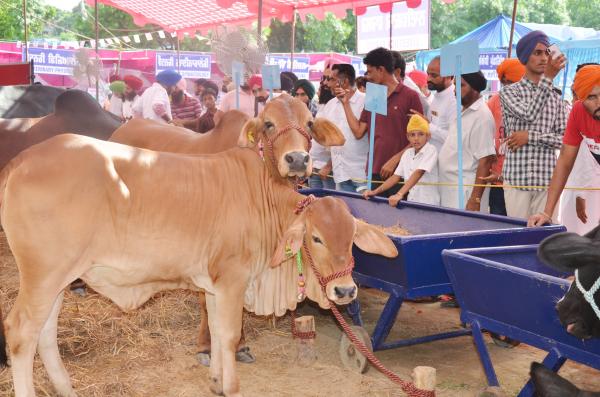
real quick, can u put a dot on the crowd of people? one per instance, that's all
(509, 142)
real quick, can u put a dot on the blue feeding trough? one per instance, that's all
(528, 291)
(418, 271)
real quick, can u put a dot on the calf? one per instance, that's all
(547, 383)
(579, 309)
(132, 222)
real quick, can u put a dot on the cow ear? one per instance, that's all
(326, 133)
(370, 239)
(249, 135)
(594, 234)
(548, 383)
(290, 243)
(569, 251)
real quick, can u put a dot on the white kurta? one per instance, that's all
(427, 160)
(478, 142)
(228, 102)
(586, 174)
(442, 114)
(155, 94)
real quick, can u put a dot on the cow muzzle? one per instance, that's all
(341, 293)
(295, 164)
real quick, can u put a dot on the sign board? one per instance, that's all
(190, 65)
(489, 61)
(459, 58)
(409, 28)
(359, 67)
(270, 77)
(376, 99)
(50, 61)
(301, 64)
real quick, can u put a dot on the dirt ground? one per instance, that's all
(151, 352)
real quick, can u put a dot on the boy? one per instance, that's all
(418, 163)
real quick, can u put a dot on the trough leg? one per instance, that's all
(48, 351)
(554, 361)
(386, 320)
(484, 355)
(354, 312)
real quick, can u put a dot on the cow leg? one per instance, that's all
(204, 334)
(23, 326)
(48, 351)
(216, 369)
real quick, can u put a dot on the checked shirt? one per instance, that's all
(540, 111)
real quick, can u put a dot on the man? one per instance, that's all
(510, 71)
(390, 130)
(154, 103)
(185, 108)
(583, 128)
(443, 105)
(247, 98)
(133, 85)
(199, 87)
(477, 148)
(206, 122)
(348, 161)
(400, 74)
(534, 121)
(115, 105)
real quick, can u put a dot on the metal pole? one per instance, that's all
(259, 27)
(25, 30)
(512, 27)
(96, 47)
(177, 38)
(293, 40)
(391, 30)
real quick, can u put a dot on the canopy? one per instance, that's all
(189, 16)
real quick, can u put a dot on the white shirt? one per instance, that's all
(478, 142)
(349, 160)
(116, 106)
(427, 160)
(424, 101)
(246, 103)
(128, 107)
(442, 113)
(155, 94)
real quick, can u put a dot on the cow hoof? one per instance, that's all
(216, 386)
(203, 358)
(244, 356)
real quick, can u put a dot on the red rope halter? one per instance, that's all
(269, 141)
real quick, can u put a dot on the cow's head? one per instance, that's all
(571, 252)
(285, 128)
(326, 230)
(547, 383)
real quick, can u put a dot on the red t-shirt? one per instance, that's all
(390, 130)
(582, 126)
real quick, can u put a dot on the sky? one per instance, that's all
(66, 5)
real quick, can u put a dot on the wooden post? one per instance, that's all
(96, 48)
(424, 378)
(25, 32)
(307, 355)
(512, 28)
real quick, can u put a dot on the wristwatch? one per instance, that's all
(476, 199)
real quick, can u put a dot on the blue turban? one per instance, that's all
(527, 44)
(168, 77)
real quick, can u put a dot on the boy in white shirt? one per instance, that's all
(417, 164)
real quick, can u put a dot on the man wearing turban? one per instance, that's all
(477, 145)
(133, 85)
(534, 123)
(510, 71)
(154, 103)
(115, 105)
(582, 138)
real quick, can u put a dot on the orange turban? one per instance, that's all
(511, 69)
(585, 80)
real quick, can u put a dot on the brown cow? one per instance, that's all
(269, 127)
(74, 111)
(132, 222)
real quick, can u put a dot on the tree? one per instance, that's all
(11, 19)
(585, 13)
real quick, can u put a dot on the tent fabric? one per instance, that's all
(191, 16)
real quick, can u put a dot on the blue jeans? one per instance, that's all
(351, 186)
(315, 181)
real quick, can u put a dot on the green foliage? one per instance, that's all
(11, 19)
(585, 13)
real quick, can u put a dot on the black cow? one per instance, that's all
(23, 101)
(572, 252)
(547, 383)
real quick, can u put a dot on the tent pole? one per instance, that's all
(177, 43)
(259, 25)
(512, 28)
(293, 40)
(25, 30)
(96, 46)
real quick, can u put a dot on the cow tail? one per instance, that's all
(3, 356)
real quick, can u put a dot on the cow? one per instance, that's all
(547, 383)
(569, 252)
(285, 127)
(132, 222)
(24, 101)
(74, 111)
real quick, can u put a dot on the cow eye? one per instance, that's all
(268, 125)
(310, 124)
(317, 240)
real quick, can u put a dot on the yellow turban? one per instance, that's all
(512, 69)
(585, 80)
(417, 123)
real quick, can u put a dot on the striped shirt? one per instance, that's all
(540, 111)
(189, 109)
